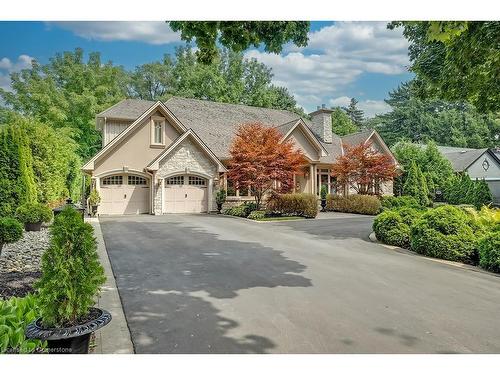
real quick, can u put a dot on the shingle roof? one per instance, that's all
(216, 123)
(128, 109)
(357, 138)
(460, 157)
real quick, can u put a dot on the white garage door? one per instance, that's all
(185, 194)
(124, 195)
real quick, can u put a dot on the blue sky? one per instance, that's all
(343, 59)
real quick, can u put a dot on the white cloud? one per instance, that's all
(7, 66)
(335, 58)
(152, 32)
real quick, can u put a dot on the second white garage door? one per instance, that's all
(185, 194)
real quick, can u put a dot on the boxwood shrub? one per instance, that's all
(11, 230)
(295, 204)
(30, 213)
(489, 251)
(357, 204)
(445, 232)
(393, 227)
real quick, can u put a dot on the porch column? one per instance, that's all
(312, 174)
(329, 183)
(210, 193)
(294, 183)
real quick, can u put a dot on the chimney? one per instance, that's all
(322, 123)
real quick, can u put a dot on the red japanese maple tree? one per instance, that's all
(261, 161)
(363, 168)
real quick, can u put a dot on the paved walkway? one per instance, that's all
(211, 284)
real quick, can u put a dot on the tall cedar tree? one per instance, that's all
(17, 181)
(416, 185)
(361, 167)
(356, 115)
(261, 161)
(482, 194)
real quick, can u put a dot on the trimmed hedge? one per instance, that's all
(30, 213)
(357, 204)
(243, 210)
(296, 204)
(445, 232)
(394, 203)
(489, 252)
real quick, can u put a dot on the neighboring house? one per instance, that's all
(477, 163)
(171, 157)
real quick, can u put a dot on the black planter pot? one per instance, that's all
(323, 205)
(70, 340)
(33, 227)
(219, 207)
(94, 210)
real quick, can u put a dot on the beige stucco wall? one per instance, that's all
(135, 151)
(186, 156)
(303, 144)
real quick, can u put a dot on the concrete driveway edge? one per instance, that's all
(115, 337)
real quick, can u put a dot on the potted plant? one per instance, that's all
(323, 193)
(220, 198)
(94, 200)
(11, 230)
(71, 280)
(32, 215)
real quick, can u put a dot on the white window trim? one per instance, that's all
(153, 119)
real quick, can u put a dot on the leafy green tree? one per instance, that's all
(449, 123)
(456, 61)
(238, 36)
(17, 182)
(341, 123)
(416, 186)
(356, 115)
(68, 92)
(230, 78)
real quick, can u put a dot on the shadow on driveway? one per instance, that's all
(160, 265)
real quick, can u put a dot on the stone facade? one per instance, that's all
(322, 124)
(186, 158)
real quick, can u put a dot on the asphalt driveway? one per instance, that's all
(213, 284)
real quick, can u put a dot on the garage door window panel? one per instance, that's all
(112, 180)
(176, 180)
(197, 181)
(137, 180)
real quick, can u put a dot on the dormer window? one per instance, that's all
(158, 131)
